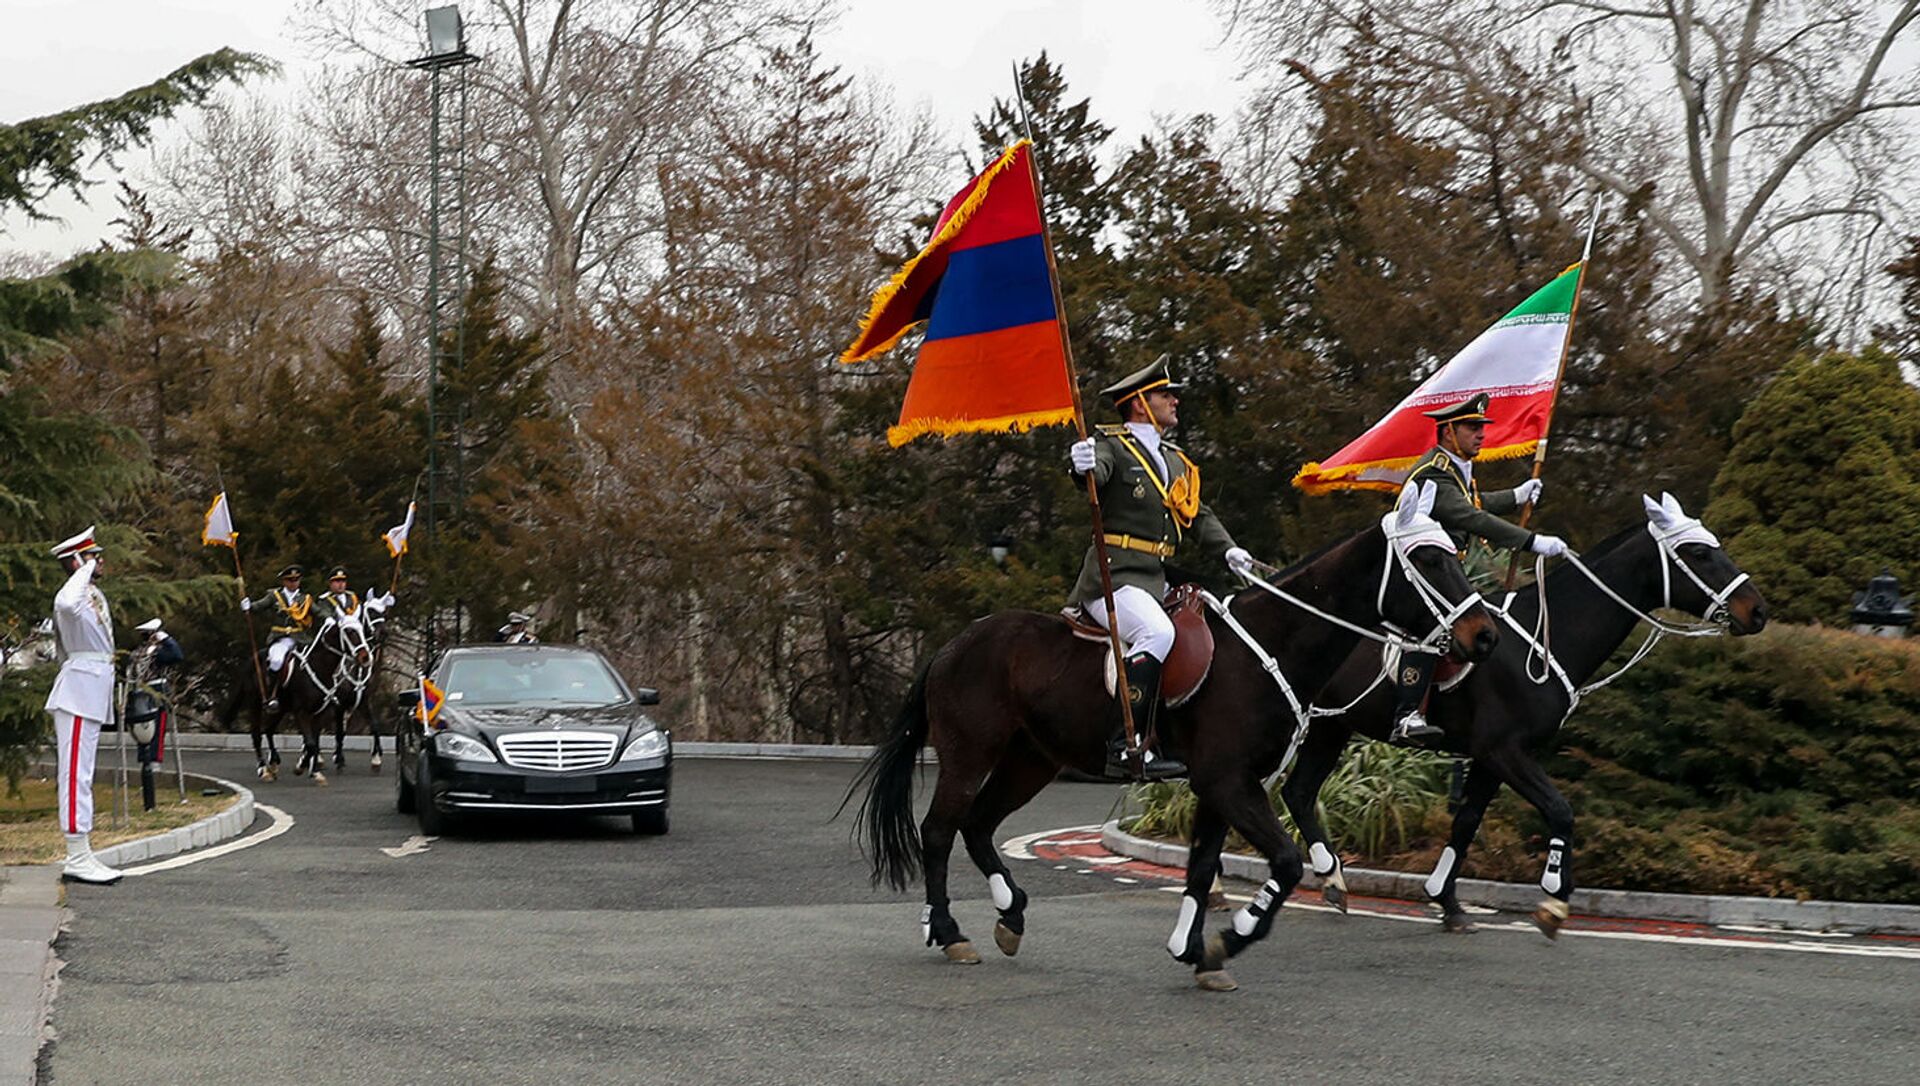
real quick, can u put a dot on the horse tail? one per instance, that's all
(884, 824)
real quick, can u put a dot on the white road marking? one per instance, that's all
(282, 822)
(1128, 881)
(412, 846)
(1020, 848)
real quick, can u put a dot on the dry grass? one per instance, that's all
(29, 822)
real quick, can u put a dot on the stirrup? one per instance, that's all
(1414, 729)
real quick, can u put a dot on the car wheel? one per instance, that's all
(651, 822)
(403, 799)
(434, 822)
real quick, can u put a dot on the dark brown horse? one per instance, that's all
(1509, 709)
(320, 675)
(1016, 697)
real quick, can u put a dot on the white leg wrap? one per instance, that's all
(1002, 893)
(1437, 882)
(1247, 919)
(1550, 879)
(1322, 859)
(926, 923)
(1183, 927)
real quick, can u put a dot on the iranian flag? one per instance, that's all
(1516, 362)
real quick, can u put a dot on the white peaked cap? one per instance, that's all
(148, 626)
(78, 544)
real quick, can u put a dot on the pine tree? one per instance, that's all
(1821, 489)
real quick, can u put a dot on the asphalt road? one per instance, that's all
(746, 947)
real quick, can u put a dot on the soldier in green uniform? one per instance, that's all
(292, 619)
(1149, 503)
(338, 600)
(1459, 430)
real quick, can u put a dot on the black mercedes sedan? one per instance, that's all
(532, 728)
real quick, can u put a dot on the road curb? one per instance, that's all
(1719, 910)
(210, 830)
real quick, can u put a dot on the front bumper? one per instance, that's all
(483, 786)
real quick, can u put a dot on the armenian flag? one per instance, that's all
(430, 701)
(992, 358)
(1516, 362)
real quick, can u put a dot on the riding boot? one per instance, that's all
(1143, 688)
(273, 694)
(1410, 689)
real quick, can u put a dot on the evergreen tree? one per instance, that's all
(1821, 489)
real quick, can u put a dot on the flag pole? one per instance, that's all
(253, 645)
(1134, 740)
(1566, 348)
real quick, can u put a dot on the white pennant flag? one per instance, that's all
(396, 537)
(219, 528)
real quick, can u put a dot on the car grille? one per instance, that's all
(557, 750)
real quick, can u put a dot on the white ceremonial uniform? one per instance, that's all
(82, 695)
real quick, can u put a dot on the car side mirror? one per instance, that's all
(646, 695)
(408, 699)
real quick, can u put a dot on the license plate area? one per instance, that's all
(550, 786)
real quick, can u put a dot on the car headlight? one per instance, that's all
(463, 748)
(650, 747)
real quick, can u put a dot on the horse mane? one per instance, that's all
(1300, 565)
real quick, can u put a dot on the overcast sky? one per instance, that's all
(1134, 58)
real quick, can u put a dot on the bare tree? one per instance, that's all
(1764, 138)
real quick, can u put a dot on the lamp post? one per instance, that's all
(1881, 611)
(446, 63)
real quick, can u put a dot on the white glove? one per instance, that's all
(246, 604)
(1550, 545)
(1082, 455)
(1239, 561)
(1528, 491)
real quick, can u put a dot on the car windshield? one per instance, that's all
(533, 678)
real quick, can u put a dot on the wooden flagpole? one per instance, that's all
(253, 646)
(1566, 348)
(1134, 740)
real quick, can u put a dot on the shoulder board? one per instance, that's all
(1113, 429)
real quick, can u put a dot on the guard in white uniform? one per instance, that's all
(81, 699)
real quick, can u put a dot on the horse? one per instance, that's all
(319, 672)
(1017, 696)
(355, 673)
(1510, 707)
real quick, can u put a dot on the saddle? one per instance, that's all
(1191, 658)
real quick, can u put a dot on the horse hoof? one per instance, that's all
(260, 771)
(1457, 924)
(1214, 958)
(1217, 901)
(1006, 939)
(1214, 980)
(271, 773)
(1549, 917)
(1335, 896)
(319, 778)
(961, 953)
(374, 766)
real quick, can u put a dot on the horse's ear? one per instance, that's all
(1407, 505)
(1672, 506)
(1656, 512)
(1427, 493)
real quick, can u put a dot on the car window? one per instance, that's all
(532, 678)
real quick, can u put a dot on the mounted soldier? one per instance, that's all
(1460, 508)
(81, 698)
(292, 622)
(1150, 503)
(338, 599)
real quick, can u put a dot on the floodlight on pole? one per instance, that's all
(445, 35)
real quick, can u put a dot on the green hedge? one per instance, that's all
(1786, 764)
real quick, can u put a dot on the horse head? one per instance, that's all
(1711, 585)
(1422, 586)
(349, 638)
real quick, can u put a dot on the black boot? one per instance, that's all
(1143, 686)
(1410, 689)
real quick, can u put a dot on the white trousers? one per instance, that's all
(277, 653)
(76, 739)
(1143, 623)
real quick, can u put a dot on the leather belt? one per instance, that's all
(1135, 543)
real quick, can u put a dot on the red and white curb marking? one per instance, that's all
(1078, 849)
